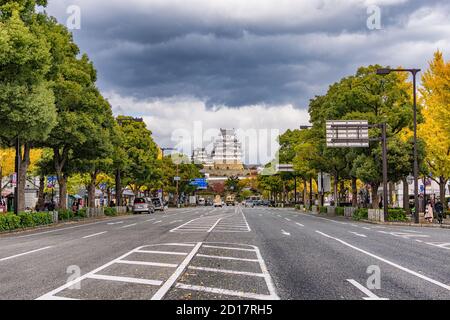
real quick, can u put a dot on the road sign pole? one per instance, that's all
(385, 169)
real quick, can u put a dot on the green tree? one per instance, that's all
(27, 109)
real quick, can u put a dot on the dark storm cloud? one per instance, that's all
(158, 51)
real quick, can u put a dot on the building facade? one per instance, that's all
(227, 151)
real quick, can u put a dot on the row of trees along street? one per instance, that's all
(368, 96)
(50, 103)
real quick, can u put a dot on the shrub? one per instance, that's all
(360, 214)
(396, 215)
(82, 213)
(110, 212)
(9, 222)
(323, 209)
(26, 220)
(339, 211)
(42, 218)
(297, 206)
(65, 214)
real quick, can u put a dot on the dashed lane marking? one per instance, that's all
(128, 225)
(94, 235)
(358, 234)
(25, 253)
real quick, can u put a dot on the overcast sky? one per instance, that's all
(243, 64)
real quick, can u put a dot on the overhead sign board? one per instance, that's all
(285, 168)
(200, 183)
(348, 134)
(176, 179)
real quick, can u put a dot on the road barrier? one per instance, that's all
(348, 211)
(331, 211)
(121, 210)
(95, 212)
(375, 215)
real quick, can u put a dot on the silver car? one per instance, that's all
(142, 205)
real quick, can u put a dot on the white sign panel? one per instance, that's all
(348, 134)
(285, 168)
(326, 179)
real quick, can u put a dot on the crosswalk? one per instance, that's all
(176, 271)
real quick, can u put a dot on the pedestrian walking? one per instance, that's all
(429, 212)
(439, 208)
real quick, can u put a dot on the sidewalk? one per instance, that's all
(445, 225)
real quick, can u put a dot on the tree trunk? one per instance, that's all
(406, 195)
(335, 190)
(91, 189)
(442, 184)
(310, 191)
(354, 193)
(118, 188)
(41, 195)
(22, 179)
(375, 199)
(62, 182)
(305, 190)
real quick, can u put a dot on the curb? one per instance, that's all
(402, 224)
(59, 224)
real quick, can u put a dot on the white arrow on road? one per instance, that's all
(358, 234)
(285, 233)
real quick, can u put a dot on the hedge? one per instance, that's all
(110, 212)
(360, 214)
(65, 214)
(11, 221)
(339, 211)
(323, 209)
(396, 215)
(82, 213)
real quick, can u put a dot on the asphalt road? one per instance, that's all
(226, 253)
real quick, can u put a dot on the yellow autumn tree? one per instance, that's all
(435, 129)
(7, 161)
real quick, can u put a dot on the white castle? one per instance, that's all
(226, 153)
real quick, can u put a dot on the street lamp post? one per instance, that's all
(162, 151)
(414, 72)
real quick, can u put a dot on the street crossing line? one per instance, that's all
(125, 279)
(226, 258)
(225, 292)
(145, 263)
(163, 252)
(253, 274)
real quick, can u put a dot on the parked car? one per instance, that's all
(158, 204)
(142, 205)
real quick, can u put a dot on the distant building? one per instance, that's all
(200, 156)
(227, 151)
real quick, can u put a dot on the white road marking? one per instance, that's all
(440, 284)
(285, 233)
(224, 292)
(405, 235)
(252, 274)
(370, 295)
(25, 253)
(366, 228)
(156, 222)
(444, 245)
(358, 234)
(287, 219)
(214, 225)
(95, 234)
(113, 223)
(228, 248)
(174, 277)
(163, 252)
(226, 258)
(299, 224)
(145, 263)
(150, 220)
(128, 225)
(125, 279)
(176, 221)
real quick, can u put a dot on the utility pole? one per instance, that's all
(385, 173)
(17, 169)
(414, 72)
(178, 195)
